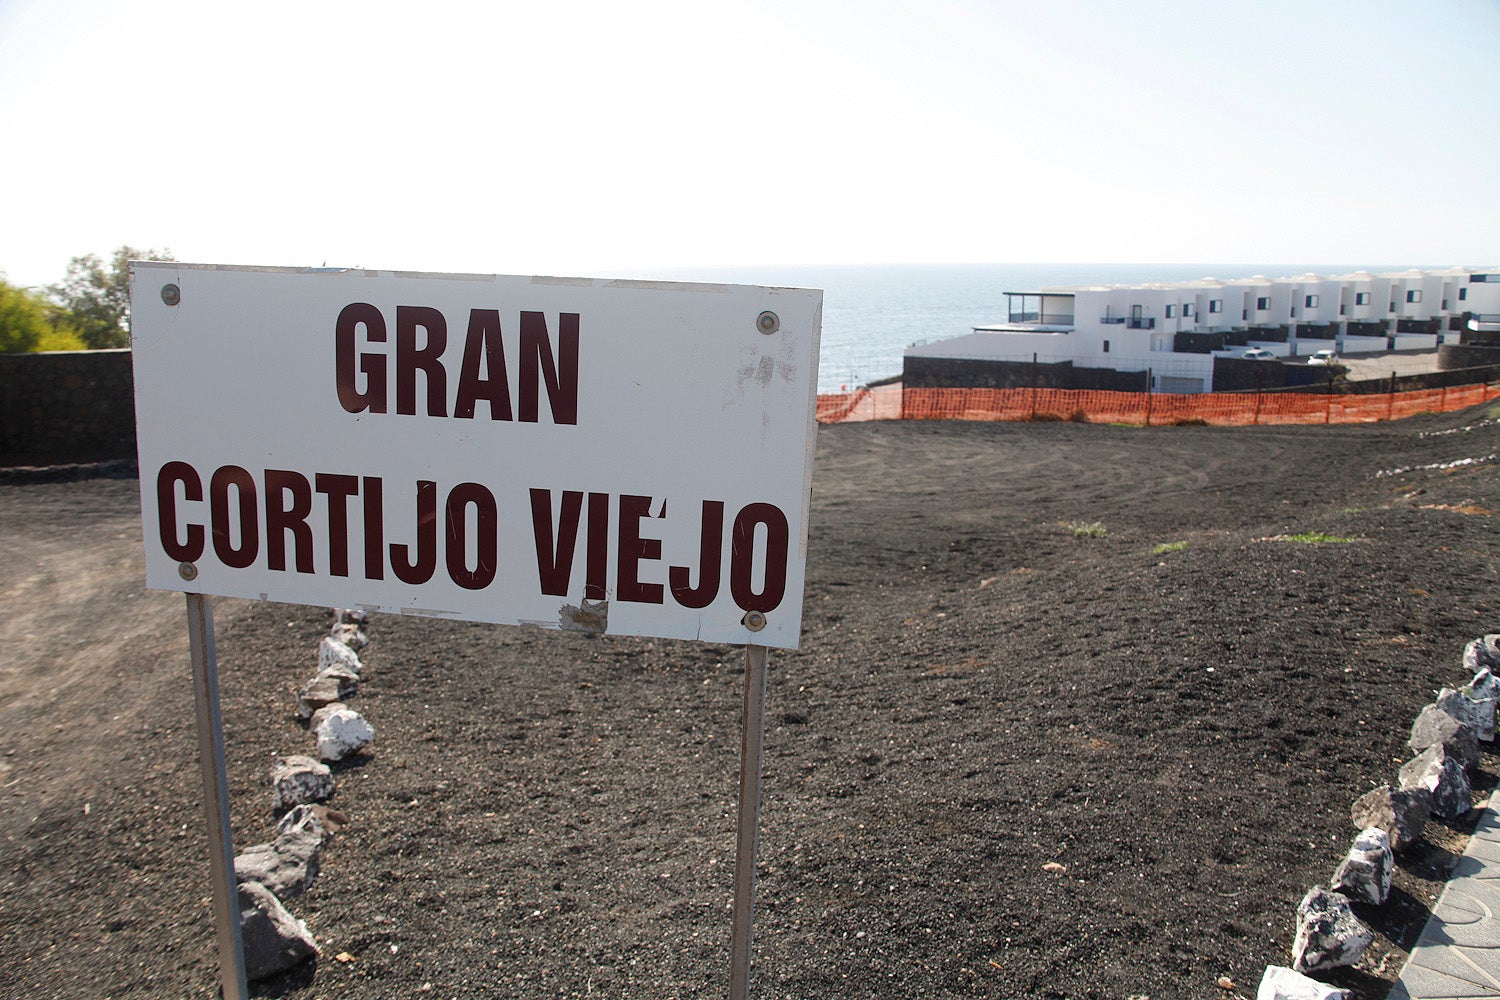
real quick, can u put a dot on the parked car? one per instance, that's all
(1323, 358)
(1259, 354)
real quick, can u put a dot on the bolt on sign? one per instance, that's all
(618, 457)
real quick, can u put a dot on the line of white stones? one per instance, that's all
(286, 867)
(1445, 738)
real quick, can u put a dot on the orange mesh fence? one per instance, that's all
(892, 402)
(883, 402)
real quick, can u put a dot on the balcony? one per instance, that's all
(1040, 308)
(1141, 323)
(1044, 319)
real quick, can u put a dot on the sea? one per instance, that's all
(873, 312)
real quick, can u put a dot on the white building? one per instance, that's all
(1175, 331)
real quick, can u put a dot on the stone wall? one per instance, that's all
(1242, 374)
(66, 406)
(948, 373)
(1468, 355)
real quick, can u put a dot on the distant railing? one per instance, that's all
(1131, 323)
(1045, 319)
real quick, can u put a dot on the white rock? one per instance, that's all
(1485, 685)
(1483, 652)
(331, 653)
(1442, 775)
(1477, 714)
(274, 940)
(343, 732)
(1434, 725)
(1365, 873)
(328, 687)
(287, 865)
(323, 713)
(306, 818)
(298, 779)
(1281, 983)
(349, 635)
(1400, 812)
(1328, 933)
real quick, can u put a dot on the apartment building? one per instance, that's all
(1174, 332)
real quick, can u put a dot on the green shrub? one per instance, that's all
(23, 320)
(61, 338)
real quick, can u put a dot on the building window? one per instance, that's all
(1445, 305)
(1171, 311)
(1361, 298)
(1312, 302)
(1262, 303)
(1415, 295)
(1463, 294)
(1215, 305)
(1393, 305)
(1343, 309)
(1187, 309)
(1480, 279)
(1244, 314)
(1106, 347)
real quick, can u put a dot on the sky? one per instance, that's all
(627, 138)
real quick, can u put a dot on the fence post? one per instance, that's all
(1443, 406)
(1390, 400)
(1033, 387)
(1328, 409)
(1148, 397)
(1258, 381)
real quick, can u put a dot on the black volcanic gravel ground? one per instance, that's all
(984, 692)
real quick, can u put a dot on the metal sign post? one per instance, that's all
(752, 742)
(216, 796)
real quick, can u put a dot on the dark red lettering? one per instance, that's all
(338, 489)
(281, 518)
(487, 529)
(632, 549)
(554, 560)
(218, 503)
(419, 570)
(483, 346)
(742, 557)
(560, 372)
(710, 545)
(190, 549)
(409, 357)
(374, 493)
(596, 555)
(372, 366)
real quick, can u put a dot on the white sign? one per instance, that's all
(624, 457)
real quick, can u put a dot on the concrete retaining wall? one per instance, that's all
(66, 406)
